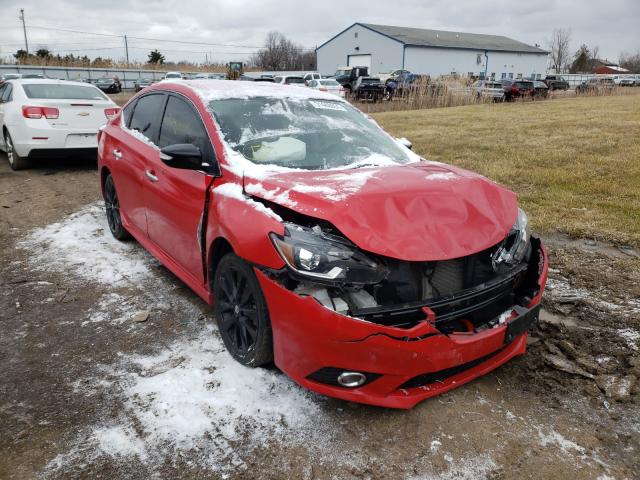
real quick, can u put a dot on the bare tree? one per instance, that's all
(280, 53)
(630, 61)
(559, 47)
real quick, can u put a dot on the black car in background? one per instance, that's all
(556, 82)
(142, 83)
(109, 84)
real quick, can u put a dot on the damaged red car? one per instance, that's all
(323, 244)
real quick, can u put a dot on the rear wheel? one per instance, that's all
(241, 312)
(16, 162)
(112, 207)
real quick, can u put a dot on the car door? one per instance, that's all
(131, 149)
(175, 197)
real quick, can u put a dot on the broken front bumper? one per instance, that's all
(403, 366)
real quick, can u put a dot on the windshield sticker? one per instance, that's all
(327, 105)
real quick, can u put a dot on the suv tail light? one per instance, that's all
(38, 112)
(111, 112)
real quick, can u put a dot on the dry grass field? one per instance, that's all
(574, 162)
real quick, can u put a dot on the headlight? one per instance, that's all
(515, 247)
(325, 258)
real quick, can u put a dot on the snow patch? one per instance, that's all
(139, 135)
(82, 244)
(476, 468)
(555, 438)
(278, 195)
(632, 337)
(233, 190)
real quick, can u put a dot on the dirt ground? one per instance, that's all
(88, 392)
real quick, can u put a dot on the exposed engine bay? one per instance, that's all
(467, 294)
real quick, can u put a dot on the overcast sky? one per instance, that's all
(233, 29)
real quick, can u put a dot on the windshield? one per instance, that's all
(329, 83)
(304, 133)
(71, 92)
(290, 80)
(173, 75)
(104, 80)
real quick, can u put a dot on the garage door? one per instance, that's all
(359, 61)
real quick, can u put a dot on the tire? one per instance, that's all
(16, 162)
(241, 312)
(112, 209)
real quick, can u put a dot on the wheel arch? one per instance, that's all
(218, 249)
(104, 173)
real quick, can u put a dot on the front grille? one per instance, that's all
(466, 289)
(441, 375)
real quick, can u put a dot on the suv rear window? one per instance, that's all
(70, 92)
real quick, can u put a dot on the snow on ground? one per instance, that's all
(474, 468)
(82, 244)
(190, 399)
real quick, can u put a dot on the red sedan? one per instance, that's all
(323, 244)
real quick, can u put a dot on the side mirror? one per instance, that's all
(182, 155)
(404, 141)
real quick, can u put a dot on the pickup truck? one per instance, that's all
(347, 76)
(556, 82)
(368, 88)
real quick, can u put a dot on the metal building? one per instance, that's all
(434, 52)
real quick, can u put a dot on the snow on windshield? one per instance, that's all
(304, 133)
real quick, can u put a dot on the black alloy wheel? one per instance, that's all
(112, 207)
(241, 312)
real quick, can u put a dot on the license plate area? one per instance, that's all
(522, 323)
(81, 140)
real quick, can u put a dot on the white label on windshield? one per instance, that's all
(327, 105)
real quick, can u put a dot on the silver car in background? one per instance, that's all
(488, 89)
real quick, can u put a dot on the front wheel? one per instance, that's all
(241, 312)
(112, 207)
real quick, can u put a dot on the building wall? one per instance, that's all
(444, 61)
(386, 53)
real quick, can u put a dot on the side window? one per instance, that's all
(146, 115)
(6, 94)
(2, 88)
(181, 124)
(126, 113)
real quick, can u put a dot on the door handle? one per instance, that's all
(117, 154)
(151, 175)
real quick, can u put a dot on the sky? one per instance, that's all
(228, 30)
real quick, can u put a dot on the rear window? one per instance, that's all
(329, 83)
(70, 92)
(524, 85)
(290, 80)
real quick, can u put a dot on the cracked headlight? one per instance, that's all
(515, 247)
(325, 258)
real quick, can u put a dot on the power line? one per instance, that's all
(155, 39)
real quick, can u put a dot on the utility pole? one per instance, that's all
(24, 29)
(126, 49)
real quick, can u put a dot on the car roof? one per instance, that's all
(209, 90)
(40, 81)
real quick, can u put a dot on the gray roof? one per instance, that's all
(441, 38)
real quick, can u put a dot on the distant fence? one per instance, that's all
(127, 76)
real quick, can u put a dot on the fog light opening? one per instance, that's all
(352, 379)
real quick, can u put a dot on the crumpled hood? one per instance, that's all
(418, 212)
